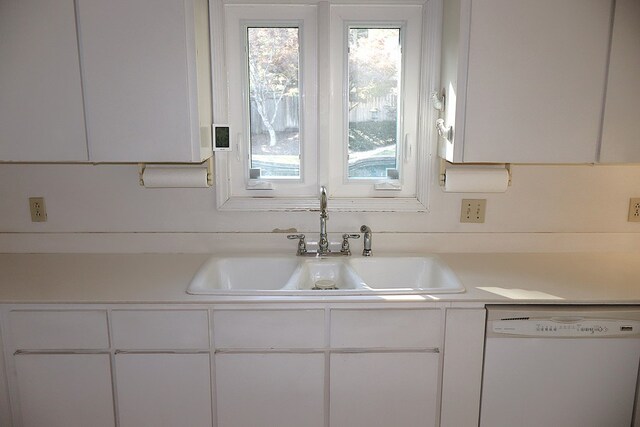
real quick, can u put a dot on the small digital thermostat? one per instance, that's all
(221, 138)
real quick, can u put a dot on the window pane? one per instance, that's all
(374, 87)
(274, 102)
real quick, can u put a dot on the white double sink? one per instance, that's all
(290, 275)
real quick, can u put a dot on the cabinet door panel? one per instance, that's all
(61, 330)
(385, 328)
(536, 80)
(135, 67)
(384, 389)
(268, 328)
(621, 121)
(270, 390)
(164, 390)
(65, 390)
(41, 112)
(160, 329)
(462, 371)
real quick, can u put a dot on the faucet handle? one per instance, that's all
(302, 244)
(345, 243)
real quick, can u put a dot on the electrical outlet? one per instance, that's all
(38, 209)
(473, 210)
(634, 210)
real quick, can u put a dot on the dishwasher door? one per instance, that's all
(560, 368)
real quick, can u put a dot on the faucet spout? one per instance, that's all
(323, 201)
(323, 243)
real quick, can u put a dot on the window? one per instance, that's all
(271, 65)
(373, 83)
(273, 62)
(375, 68)
(368, 59)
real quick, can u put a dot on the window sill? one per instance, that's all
(291, 204)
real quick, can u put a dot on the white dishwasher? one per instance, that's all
(561, 366)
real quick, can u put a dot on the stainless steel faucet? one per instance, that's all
(366, 251)
(323, 244)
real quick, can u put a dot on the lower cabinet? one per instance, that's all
(65, 390)
(270, 390)
(384, 389)
(316, 366)
(163, 389)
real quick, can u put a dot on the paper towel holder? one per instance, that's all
(208, 163)
(442, 176)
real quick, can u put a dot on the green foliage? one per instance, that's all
(366, 136)
(374, 63)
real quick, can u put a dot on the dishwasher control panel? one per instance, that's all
(567, 328)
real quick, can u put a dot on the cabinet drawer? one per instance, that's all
(159, 329)
(269, 329)
(385, 328)
(41, 330)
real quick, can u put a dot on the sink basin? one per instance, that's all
(242, 275)
(410, 274)
(290, 275)
(324, 274)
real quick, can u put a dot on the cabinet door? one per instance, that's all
(270, 390)
(535, 80)
(621, 120)
(65, 390)
(384, 389)
(139, 66)
(462, 370)
(41, 115)
(164, 390)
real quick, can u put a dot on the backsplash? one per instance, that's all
(108, 199)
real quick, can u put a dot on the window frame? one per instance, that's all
(424, 146)
(408, 19)
(238, 19)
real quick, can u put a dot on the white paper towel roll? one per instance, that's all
(476, 180)
(174, 177)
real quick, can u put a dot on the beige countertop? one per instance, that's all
(163, 278)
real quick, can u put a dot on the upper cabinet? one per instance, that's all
(147, 81)
(138, 91)
(524, 80)
(621, 131)
(41, 116)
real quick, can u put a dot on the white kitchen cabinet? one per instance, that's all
(162, 366)
(163, 390)
(384, 367)
(146, 77)
(621, 128)
(41, 111)
(270, 389)
(524, 80)
(313, 365)
(384, 389)
(269, 367)
(462, 371)
(64, 390)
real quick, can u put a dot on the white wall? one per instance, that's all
(107, 198)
